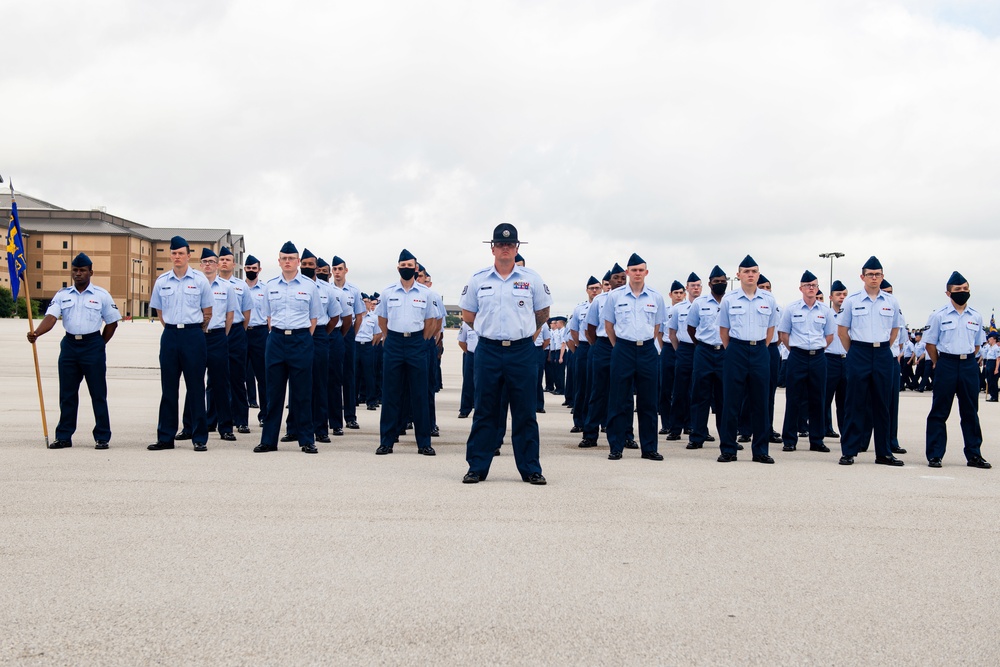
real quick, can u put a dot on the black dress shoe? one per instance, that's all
(695, 445)
(663, 431)
(978, 462)
(409, 427)
(576, 429)
(325, 439)
(819, 448)
(803, 434)
(243, 429)
(934, 463)
(60, 444)
(726, 458)
(540, 411)
(309, 449)
(471, 478)
(763, 458)
(156, 446)
(183, 435)
(743, 438)
(426, 451)
(788, 448)
(265, 448)
(687, 431)
(739, 447)
(888, 461)
(372, 407)
(228, 437)
(288, 437)
(496, 452)
(535, 478)
(652, 456)
(338, 432)
(200, 447)
(604, 429)
(897, 450)
(673, 436)
(615, 456)
(352, 425)
(631, 444)
(831, 434)
(846, 460)
(463, 415)
(435, 433)
(101, 444)
(774, 438)
(383, 450)
(709, 438)
(260, 423)
(253, 405)
(587, 442)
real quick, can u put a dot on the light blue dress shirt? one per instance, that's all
(223, 301)
(405, 310)
(595, 314)
(258, 296)
(292, 304)
(836, 347)
(953, 332)
(703, 315)
(578, 320)
(807, 327)
(368, 329)
(748, 317)
(330, 305)
(180, 300)
(635, 317)
(469, 336)
(870, 320)
(679, 320)
(243, 300)
(505, 308)
(83, 312)
(544, 334)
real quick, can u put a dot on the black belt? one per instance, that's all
(184, 326)
(772, 344)
(215, 331)
(875, 345)
(680, 342)
(802, 350)
(365, 342)
(837, 354)
(637, 343)
(290, 332)
(714, 347)
(86, 336)
(406, 334)
(506, 343)
(746, 342)
(957, 357)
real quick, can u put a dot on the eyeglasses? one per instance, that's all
(209, 261)
(872, 275)
(504, 244)
(811, 286)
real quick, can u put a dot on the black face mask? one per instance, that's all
(252, 275)
(718, 289)
(325, 277)
(960, 297)
(407, 273)
(308, 273)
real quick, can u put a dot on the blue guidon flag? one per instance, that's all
(15, 251)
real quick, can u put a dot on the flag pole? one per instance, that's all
(31, 329)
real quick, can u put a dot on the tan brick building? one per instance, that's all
(127, 256)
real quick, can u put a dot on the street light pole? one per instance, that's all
(831, 256)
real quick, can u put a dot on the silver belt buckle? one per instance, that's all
(752, 342)
(812, 353)
(876, 344)
(505, 343)
(78, 336)
(180, 326)
(288, 332)
(406, 334)
(639, 343)
(716, 347)
(843, 356)
(963, 356)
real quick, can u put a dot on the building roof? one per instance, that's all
(27, 201)
(72, 226)
(189, 233)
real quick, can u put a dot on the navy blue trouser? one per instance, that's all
(866, 408)
(251, 379)
(366, 366)
(540, 356)
(680, 395)
(217, 389)
(745, 375)
(335, 380)
(405, 367)
(432, 382)
(599, 373)
(320, 400)
(836, 389)
(706, 389)
(182, 352)
(350, 398)
(774, 365)
(805, 388)
(569, 384)
(632, 366)
(668, 360)
(466, 403)
(237, 375)
(379, 353)
(581, 382)
(289, 363)
(79, 359)
(256, 345)
(897, 380)
(953, 378)
(516, 369)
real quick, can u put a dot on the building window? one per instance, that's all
(65, 267)
(38, 285)
(65, 245)
(159, 268)
(65, 285)
(38, 244)
(38, 265)
(159, 250)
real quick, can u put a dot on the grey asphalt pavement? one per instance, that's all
(129, 557)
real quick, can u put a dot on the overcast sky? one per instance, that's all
(692, 133)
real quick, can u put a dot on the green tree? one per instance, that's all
(6, 303)
(22, 310)
(452, 321)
